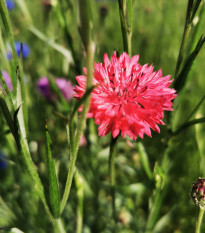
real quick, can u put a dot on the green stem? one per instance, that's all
(86, 26)
(66, 193)
(125, 11)
(80, 197)
(59, 228)
(199, 220)
(185, 36)
(113, 145)
(69, 39)
(154, 213)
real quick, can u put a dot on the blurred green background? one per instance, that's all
(157, 32)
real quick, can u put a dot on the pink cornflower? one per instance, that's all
(128, 98)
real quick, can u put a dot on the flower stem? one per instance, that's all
(199, 220)
(112, 173)
(86, 26)
(187, 28)
(125, 10)
(80, 197)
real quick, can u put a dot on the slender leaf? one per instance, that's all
(195, 8)
(187, 29)
(54, 198)
(196, 108)
(51, 43)
(181, 80)
(22, 6)
(144, 159)
(19, 102)
(197, 28)
(190, 123)
(9, 120)
(31, 169)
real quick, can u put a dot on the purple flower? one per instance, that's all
(25, 50)
(7, 80)
(64, 85)
(10, 4)
(44, 89)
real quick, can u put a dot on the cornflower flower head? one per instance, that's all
(64, 85)
(25, 50)
(7, 80)
(129, 98)
(10, 4)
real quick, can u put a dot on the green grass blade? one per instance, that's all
(20, 104)
(66, 53)
(190, 123)
(196, 108)
(187, 29)
(144, 159)
(181, 80)
(195, 8)
(54, 197)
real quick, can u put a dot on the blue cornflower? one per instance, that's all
(3, 161)
(10, 4)
(25, 50)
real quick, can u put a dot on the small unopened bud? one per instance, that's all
(198, 193)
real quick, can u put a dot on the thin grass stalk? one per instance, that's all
(86, 27)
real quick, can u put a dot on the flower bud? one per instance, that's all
(198, 192)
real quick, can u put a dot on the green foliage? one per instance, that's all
(153, 175)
